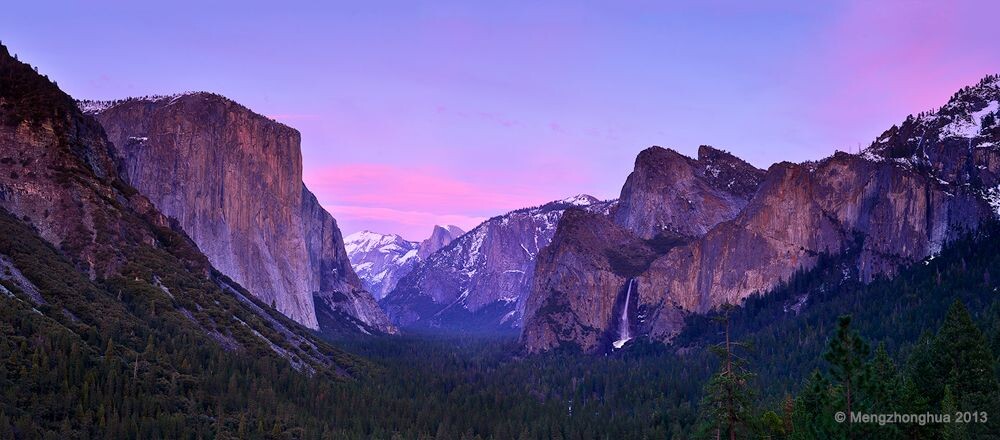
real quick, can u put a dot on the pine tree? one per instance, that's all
(813, 414)
(882, 393)
(954, 430)
(883, 382)
(846, 355)
(727, 404)
(963, 363)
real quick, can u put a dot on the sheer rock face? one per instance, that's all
(919, 186)
(481, 279)
(581, 277)
(337, 290)
(60, 176)
(669, 192)
(668, 200)
(440, 237)
(233, 180)
(893, 215)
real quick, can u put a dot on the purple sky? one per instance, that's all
(450, 112)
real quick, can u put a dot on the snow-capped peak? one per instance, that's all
(367, 241)
(580, 200)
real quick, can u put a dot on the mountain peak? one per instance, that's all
(440, 237)
(670, 192)
(580, 200)
(968, 122)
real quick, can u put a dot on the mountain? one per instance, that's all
(440, 237)
(668, 200)
(233, 180)
(481, 279)
(918, 187)
(106, 302)
(669, 193)
(380, 260)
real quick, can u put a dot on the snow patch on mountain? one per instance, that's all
(485, 275)
(969, 125)
(381, 260)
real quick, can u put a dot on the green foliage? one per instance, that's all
(727, 406)
(811, 418)
(958, 368)
(432, 386)
(846, 356)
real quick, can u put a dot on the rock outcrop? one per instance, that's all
(482, 279)
(671, 193)
(589, 254)
(919, 186)
(440, 237)
(579, 291)
(342, 304)
(233, 181)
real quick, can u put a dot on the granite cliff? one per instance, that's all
(917, 187)
(233, 181)
(96, 258)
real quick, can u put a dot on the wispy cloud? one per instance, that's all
(411, 224)
(421, 188)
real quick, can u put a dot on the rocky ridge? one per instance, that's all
(919, 186)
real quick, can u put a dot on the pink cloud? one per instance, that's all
(413, 225)
(422, 188)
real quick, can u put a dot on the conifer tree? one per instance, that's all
(954, 430)
(846, 355)
(812, 417)
(727, 404)
(963, 363)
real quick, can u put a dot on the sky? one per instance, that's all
(449, 112)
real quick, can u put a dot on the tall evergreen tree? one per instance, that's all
(727, 403)
(812, 416)
(951, 431)
(963, 363)
(847, 354)
(882, 393)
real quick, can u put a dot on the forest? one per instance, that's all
(921, 342)
(127, 357)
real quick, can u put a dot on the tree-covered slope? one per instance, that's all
(114, 324)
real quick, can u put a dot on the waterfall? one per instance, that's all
(624, 330)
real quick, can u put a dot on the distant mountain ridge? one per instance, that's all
(481, 280)
(676, 245)
(380, 260)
